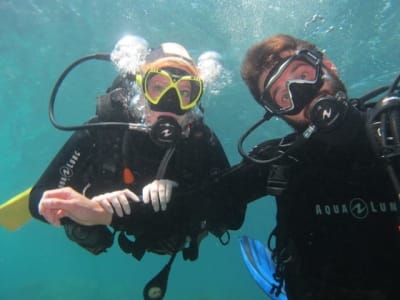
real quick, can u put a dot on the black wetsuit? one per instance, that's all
(336, 219)
(92, 162)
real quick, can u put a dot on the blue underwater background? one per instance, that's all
(39, 38)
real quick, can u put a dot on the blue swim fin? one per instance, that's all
(260, 265)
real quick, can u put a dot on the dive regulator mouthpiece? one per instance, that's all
(329, 112)
(166, 131)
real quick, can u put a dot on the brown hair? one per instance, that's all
(264, 55)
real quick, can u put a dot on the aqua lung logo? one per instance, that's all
(166, 133)
(326, 114)
(67, 170)
(357, 208)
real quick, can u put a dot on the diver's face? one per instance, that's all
(155, 88)
(279, 89)
(171, 92)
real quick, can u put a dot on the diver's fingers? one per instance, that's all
(150, 195)
(154, 196)
(103, 201)
(165, 187)
(53, 216)
(146, 194)
(170, 185)
(162, 187)
(114, 200)
(132, 195)
(123, 200)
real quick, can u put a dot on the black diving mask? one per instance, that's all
(304, 80)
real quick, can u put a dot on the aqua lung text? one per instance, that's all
(67, 170)
(357, 208)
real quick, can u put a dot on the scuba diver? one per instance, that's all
(335, 179)
(147, 139)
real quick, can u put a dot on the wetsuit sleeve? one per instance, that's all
(73, 166)
(220, 200)
(220, 206)
(227, 195)
(70, 167)
(200, 157)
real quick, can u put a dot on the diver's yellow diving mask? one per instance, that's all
(167, 91)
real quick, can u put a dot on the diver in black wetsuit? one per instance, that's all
(172, 148)
(335, 179)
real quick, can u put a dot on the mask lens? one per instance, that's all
(189, 90)
(301, 93)
(155, 85)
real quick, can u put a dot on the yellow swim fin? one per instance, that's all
(15, 212)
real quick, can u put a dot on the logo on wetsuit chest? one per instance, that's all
(67, 170)
(356, 207)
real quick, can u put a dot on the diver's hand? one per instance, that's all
(117, 201)
(159, 193)
(66, 202)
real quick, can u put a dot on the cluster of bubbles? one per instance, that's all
(129, 54)
(212, 72)
(315, 22)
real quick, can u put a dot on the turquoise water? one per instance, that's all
(39, 38)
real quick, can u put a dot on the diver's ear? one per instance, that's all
(330, 65)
